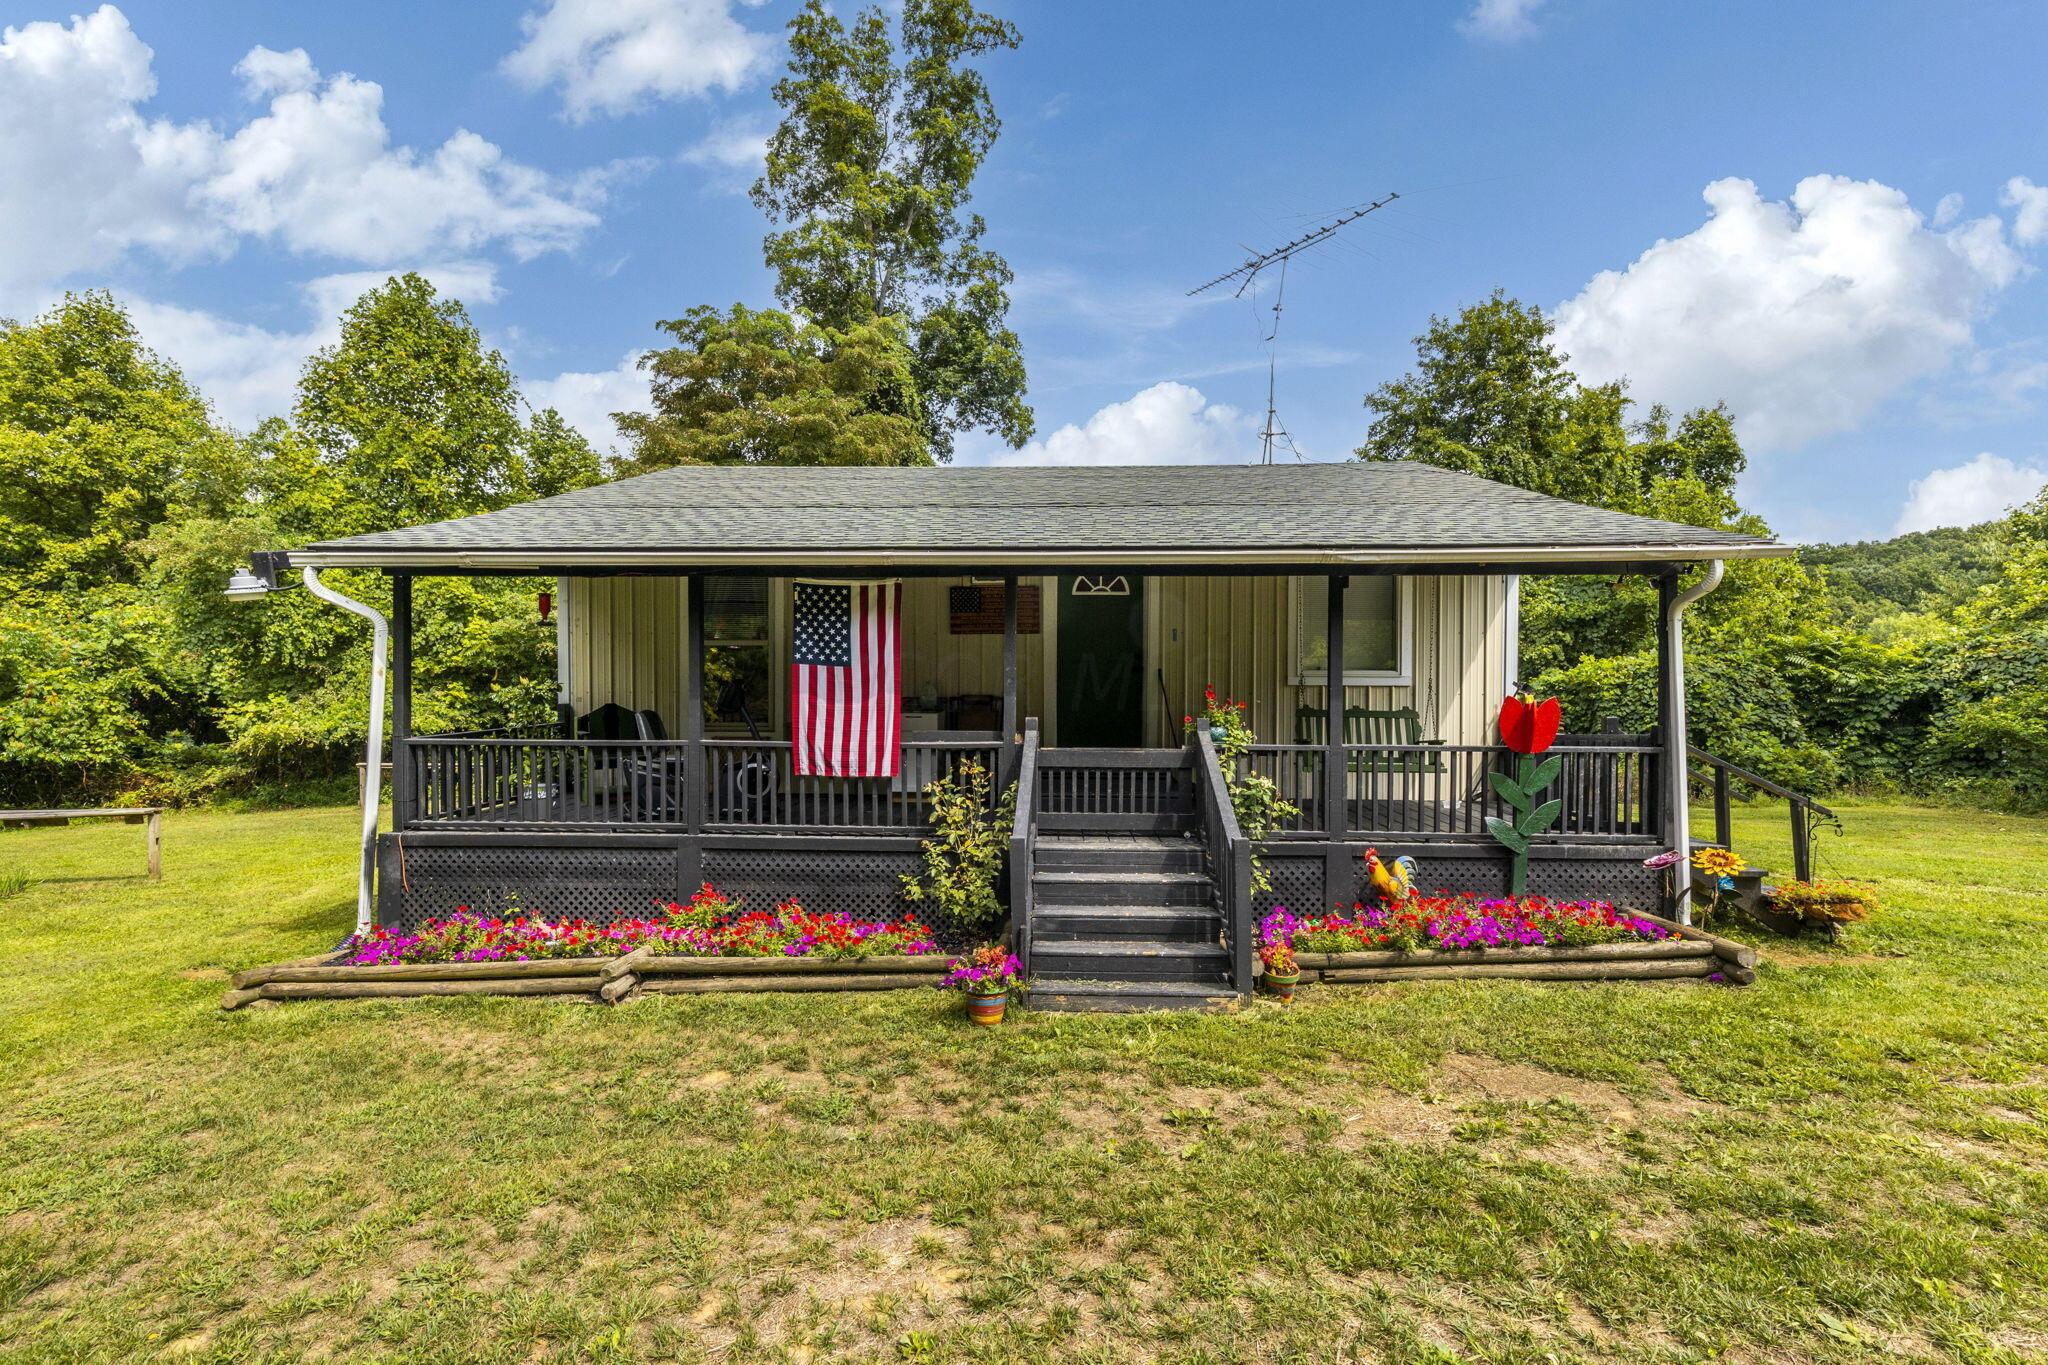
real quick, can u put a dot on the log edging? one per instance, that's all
(606, 980)
(1689, 953)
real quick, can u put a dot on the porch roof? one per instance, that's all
(1352, 513)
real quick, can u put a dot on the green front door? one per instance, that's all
(1101, 674)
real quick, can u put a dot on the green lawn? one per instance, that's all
(1847, 1161)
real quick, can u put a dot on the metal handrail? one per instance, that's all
(1233, 868)
(1023, 845)
(1806, 814)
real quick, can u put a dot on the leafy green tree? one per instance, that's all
(1491, 396)
(97, 437)
(750, 387)
(411, 414)
(869, 175)
(1993, 729)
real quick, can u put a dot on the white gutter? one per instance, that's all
(373, 779)
(525, 560)
(1675, 742)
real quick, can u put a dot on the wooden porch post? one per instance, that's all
(1010, 728)
(1662, 819)
(404, 797)
(696, 772)
(1336, 800)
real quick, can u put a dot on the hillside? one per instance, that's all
(1924, 571)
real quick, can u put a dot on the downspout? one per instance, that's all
(373, 779)
(1675, 742)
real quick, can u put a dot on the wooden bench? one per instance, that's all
(1401, 726)
(153, 816)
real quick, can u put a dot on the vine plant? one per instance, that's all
(1253, 796)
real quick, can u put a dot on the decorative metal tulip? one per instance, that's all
(1529, 727)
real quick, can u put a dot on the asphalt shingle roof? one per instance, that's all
(1352, 511)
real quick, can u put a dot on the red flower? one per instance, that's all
(1529, 727)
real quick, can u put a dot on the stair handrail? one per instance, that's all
(1806, 813)
(1233, 869)
(1023, 844)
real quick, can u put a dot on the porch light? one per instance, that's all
(244, 586)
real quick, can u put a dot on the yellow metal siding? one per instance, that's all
(626, 645)
(1236, 634)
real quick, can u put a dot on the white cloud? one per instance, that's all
(733, 150)
(86, 178)
(1804, 315)
(250, 372)
(1501, 21)
(2030, 224)
(1168, 423)
(614, 56)
(587, 399)
(1965, 494)
(1948, 210)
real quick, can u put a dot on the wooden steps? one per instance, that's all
(1125, 921)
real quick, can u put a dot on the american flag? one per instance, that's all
(845, 701)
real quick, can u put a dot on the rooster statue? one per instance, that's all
(1395, 883)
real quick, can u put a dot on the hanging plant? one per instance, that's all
(1528, 728)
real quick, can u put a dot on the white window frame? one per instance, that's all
(1404, 636)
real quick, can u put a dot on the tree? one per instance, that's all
(1491, 396)
(750, 387)
(870, 173)
(98, 436)
(409, 411)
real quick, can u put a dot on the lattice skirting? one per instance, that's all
(863, 882)
(602, 882)
(1579, 872)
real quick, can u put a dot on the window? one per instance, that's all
(1376, 644)
(737, 685)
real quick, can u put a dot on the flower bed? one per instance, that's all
(1531, 937)
(710, 925)
(1451, 923)
(710, 944)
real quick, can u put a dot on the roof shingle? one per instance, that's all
(1353, 511)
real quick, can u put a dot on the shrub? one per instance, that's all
(964, 855)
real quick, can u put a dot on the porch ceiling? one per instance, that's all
(1168, 516)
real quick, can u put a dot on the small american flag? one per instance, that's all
(846, 706)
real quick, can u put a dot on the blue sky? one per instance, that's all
(1832, 216)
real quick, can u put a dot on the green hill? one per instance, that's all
(1922, 572)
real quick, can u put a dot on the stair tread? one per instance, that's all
(1079, 910)
(1151, 843)
(1084, 985)
(1131, 947)
(1117, 874)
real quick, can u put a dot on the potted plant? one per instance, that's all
(986, 976)
(1281, 972)
(1825, 905)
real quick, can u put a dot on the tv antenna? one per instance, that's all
(1275, 434)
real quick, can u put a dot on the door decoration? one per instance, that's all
(1101, 585)
(977, 609)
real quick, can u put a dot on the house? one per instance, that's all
(1058, 624)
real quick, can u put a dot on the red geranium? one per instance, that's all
(1527, 726)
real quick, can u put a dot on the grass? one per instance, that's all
(1848, 1160)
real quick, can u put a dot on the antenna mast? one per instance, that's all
(1274, 433)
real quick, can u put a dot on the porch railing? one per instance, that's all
(1229, 855)
(497, 780)
(1024, 845)
(489, 780)
(1100, 789)
(1608, 789)
(753, 786)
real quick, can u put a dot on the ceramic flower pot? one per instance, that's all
(987, 1010)
(1281, 987)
